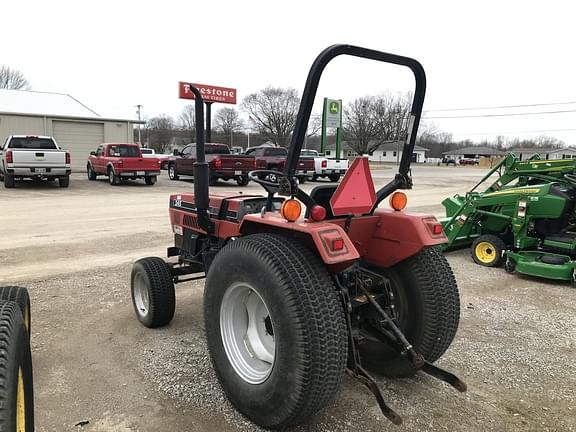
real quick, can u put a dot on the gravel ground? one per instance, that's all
(515, 349)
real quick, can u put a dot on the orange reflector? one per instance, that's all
(398, 200)
(291, 210)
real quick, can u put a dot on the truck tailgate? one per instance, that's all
(237, 162)
(337, 164)
(140, 164)
(25, 158)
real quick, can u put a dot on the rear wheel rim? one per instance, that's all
(20, 404)
(485, 252)
(141, 295)
(171, 172)
(247, 333)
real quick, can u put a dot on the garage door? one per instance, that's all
(80, 138)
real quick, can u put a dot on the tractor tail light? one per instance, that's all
(218, 163)
(317, 213)
(338, 244)
(434, 227)
(9, 158)
(324, 163)
(398, 201)
(291, 210)
(67, 158)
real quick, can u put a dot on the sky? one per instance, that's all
(113, 55)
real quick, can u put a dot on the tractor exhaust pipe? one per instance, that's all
(201, 172)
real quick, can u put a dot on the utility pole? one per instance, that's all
(139, 107)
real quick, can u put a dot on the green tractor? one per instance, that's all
(524, 219)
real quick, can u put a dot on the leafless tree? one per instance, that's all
(228, 122)
(188, 122)
(12, 79)
(273, 111)
(161, 132)
(371, 121)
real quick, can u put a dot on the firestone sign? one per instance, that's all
(209, 93)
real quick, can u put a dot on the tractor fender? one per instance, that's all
(399, 235)
(321, 237)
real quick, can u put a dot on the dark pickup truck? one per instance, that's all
(221, 163)
(274, 158)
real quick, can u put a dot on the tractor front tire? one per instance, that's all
(488, 250)
(275, 329)
(20, 296)
(16, 388)
(427, 305)
(153, 294)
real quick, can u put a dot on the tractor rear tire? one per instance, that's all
(20, 296)
(427, 305)
(8, 181)
(488, 250)
(16, 388)
(153, 294)
(280, 290)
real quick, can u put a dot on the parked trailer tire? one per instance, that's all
(488, 250)
(64, 182)
(16, 390)
(8, 180)
(428, 311)
(275, 329)
(153, 295)
(20, 296)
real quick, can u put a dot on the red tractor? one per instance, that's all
(292, 301)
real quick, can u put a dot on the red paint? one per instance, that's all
(355, 194)
(210, 93)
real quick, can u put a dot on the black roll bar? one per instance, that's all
(402, 179)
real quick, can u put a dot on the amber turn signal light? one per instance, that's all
(291, 210)
(398, 201)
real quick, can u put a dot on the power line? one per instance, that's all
(499, 115)
(501, 107)
(514, 132)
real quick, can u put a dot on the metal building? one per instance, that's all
(75, 127)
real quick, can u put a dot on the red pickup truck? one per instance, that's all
(221, 163)
(122, 162)
(274, 158)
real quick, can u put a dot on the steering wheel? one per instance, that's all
(262, 177)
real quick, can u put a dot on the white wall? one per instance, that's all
(391, 156)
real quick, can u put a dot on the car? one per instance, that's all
(325, 167)
(449, 161)
(274, 159)
(151, 153)
(469, 161)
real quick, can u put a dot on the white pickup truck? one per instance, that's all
(35, 157)
(324, 167)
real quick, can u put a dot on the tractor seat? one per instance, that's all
(322, 195)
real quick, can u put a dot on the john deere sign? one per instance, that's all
(332, 113)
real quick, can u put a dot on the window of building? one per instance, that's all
(394, 154)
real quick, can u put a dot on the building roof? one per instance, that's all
(531, 150)
(475, 150)
(36, 103)
(385, 147)
(564, 150)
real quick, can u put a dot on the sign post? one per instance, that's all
(331, 118)
(210, 94)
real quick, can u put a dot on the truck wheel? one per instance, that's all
(150, 180)
(314, 177)
(242, 180)
(302, 179)
(16, 391)
(427, 305)
(488, 250)
(64, 182)
(153, 295)
(334, 177)
(172, 173)
(275, 329)
(90, 172)
(20, 296)
(8, 181)
(113, 178)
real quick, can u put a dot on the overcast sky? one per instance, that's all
(112, 55)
